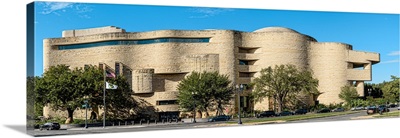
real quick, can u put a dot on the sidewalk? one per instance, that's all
(107, 127)
(122, 125)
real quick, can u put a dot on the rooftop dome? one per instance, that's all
(276, 29)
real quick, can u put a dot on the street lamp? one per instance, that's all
(239, 90)
(194, 107)
(369, 91)
(86, 107)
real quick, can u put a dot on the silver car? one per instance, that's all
(338, 109)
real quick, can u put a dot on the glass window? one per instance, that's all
(243, 62)
(117, 69)
(134, 42)
(167, 102)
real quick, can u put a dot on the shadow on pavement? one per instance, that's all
(19, 128)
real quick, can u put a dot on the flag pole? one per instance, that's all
(104, 99)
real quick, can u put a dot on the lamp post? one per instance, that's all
(194, 106)
(239, 89)
(369, 91)
(86, 107)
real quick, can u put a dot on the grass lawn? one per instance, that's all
(294, 117)
(388, 114)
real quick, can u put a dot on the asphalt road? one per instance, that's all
(128, 128)
(168, 126)
(360, 115)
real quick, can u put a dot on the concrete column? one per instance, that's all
(360, 87)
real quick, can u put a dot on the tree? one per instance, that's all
(282, 82)
(202, 91)
(391, 91)
(66, 89)
(348, 93)
(120, 102)
(60, 89)
(221, 91)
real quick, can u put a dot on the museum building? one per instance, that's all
(154, 62)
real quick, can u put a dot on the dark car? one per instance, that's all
(372, 110)
(383, 108)
(391, 105)
(50, 126)
(300, 111)
(266, 114)
(285, 113)
(219, 118)
(338, 109)
(324, 110)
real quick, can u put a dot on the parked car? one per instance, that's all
(300, 111)
(383, 108)
(360, 108)
(398, 108)
(324, 110)
(219, 118)
(372, 110)
(357, 108)
(50, 126)
(266, 114)
(338, 109)
(392, 105)
(285, 113)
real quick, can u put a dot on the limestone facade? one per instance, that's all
(155, 61)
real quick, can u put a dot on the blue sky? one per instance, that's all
(365, 31)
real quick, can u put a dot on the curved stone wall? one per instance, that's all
(142, 80)
(147, 60)
(328, 63)
(155, 69)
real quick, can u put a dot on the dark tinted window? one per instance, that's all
(134, 42)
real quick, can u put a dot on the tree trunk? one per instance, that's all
(280, 105)
(200, 114)
(70, 118)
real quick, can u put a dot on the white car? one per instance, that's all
(398, 108)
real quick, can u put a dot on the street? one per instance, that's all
(174, 125)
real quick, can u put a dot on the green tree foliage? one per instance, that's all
(204, 91)
(391, 91)
(282, 82)
(348, 93)
(121, 104)
(66, 89)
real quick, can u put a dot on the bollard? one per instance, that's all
(125, 123)
(133, 122)
(140, 122)
(155, 121)
(176, 120)
(162, 121)
(119, 123)
(113, 123)
(148, 122)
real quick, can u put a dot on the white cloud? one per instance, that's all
(394, 53)
(207, 12)
(59, 8)
(391, 61)
(53, 7)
